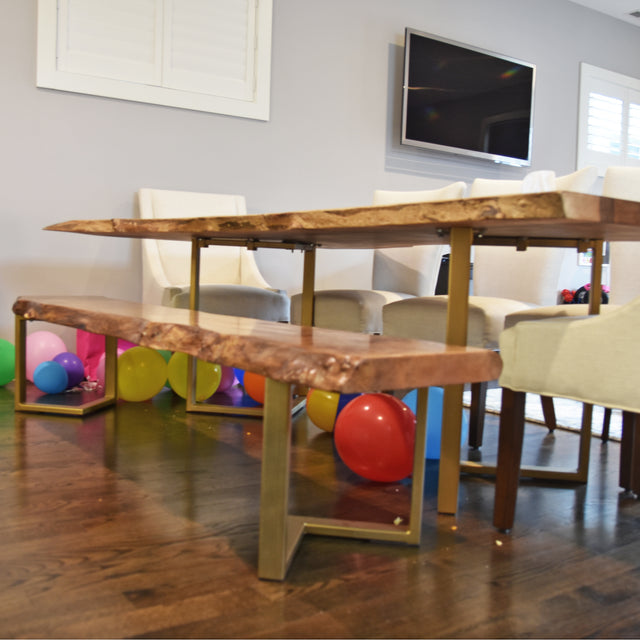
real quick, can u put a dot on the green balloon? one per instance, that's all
(7, 362)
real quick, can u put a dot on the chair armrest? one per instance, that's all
(594, 359)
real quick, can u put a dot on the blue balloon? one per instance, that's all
(434, 420)
(50, 377)
(344, 400)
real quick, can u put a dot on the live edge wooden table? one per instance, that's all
(557, 219)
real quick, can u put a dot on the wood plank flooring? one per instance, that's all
(142, 521)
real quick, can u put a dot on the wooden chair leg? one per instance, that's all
(606, 424)
(476, 414)
(549, 413)
(509, 456)
(635, 456)
(630, 453)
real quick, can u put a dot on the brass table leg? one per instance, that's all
(308, 287)
(457, 318)
(192, 405)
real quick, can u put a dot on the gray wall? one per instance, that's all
(332, 138)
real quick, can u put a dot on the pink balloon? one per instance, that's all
(227, 379)
(100, 367)
(42, 346)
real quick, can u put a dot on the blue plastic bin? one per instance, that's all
(434, 420)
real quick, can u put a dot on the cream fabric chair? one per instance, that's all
(384, 275)
(619, 182)
(591, 359)
(504, 282)
(231, 283)
(623, 182)
(550, 265)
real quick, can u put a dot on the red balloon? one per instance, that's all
(375, 435)
(253, 384)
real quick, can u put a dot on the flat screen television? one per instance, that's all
(464, 100)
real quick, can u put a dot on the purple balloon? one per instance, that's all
(73, 366)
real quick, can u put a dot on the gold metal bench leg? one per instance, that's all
(274, 554)
(20, 402)
(280, 532)
(21, 362)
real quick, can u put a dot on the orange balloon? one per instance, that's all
(254, 386)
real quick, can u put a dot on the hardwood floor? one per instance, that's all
(142, 521)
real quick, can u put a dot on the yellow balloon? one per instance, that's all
(208, 376)
(142, 373)
(322, 408)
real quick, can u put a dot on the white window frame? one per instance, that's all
(611, 84)
(252, 103)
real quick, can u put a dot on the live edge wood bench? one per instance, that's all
(288, 356)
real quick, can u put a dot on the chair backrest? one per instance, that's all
(538, 274)
(582, 180)
(412, 270)
(344, 269)
(167, 263)
(623, 182)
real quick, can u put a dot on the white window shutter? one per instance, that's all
(119, 39)
(210, 47)
(633, 131)
(604, 123)
(609, 119)
(208, 55)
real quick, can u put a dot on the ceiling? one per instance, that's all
(617, 8)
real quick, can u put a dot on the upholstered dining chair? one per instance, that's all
(231, 283)
(623, 182)
(624, 275)
(392, 274)
(591, 359)
(532, 279)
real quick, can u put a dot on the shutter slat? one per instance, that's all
(209, 47)
(116, 39)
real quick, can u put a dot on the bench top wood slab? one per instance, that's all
(321, 358)
(557, 215)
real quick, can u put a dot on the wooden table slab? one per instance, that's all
(566, 215)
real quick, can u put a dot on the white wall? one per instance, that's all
(332, 138)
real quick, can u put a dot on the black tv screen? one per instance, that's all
(464, 100)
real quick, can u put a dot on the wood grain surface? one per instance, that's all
(142, 521)
(321, 358)
(557, 215)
